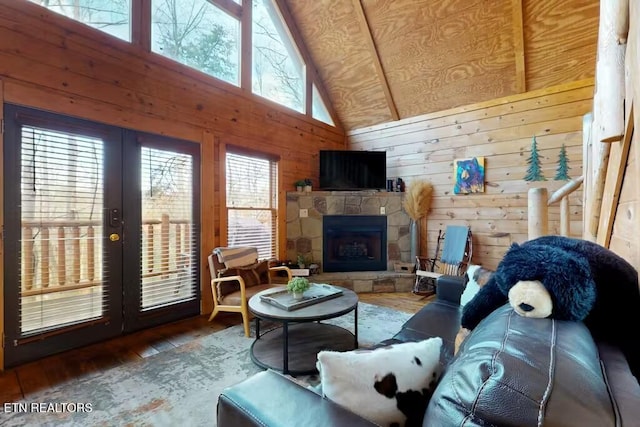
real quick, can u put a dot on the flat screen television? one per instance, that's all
(353, 170)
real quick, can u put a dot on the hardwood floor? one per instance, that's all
(24, 380)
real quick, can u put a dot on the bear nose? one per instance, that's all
(526, 307)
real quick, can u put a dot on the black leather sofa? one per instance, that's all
(510, 371)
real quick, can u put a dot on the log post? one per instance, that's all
(564, 216)
(621, 25)
(62, 261)
(610, 74)
(565, 190)
(27, 253)
(587, 156)
(164, 243)
(91, 254)
(538, 213)
(44, 254)
(77, 268)
(150, 251)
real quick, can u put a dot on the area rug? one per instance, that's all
(175, 387)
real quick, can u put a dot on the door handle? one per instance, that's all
(114, 237)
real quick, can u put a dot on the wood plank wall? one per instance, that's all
(626, 226)
(54, 63)
(501, 130)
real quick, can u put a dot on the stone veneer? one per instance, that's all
(304, 235)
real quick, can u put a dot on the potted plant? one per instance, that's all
(301, 261)
(297, 286)
(307, 185)
(300, 184)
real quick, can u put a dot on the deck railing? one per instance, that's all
(62, 255)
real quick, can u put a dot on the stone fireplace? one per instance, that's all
(354, 242)
(305, 218)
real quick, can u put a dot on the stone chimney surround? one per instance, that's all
(304, 234)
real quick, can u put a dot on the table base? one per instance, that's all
(305, 340)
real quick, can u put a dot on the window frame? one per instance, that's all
(130, 23)
(140, 36)
(292, 48)
(230, 13)
(274, 196)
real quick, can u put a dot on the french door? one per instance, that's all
(101, 232)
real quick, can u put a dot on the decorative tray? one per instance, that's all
(318, 292)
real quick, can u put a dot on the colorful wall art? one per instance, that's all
(469, 175)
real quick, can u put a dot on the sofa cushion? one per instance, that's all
(439, 318)
(520, 371)
(271, 399)
(388, 385)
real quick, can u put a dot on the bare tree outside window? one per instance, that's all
(111, 16)
(198, 34)
(278, 70)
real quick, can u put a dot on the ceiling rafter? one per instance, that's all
(364, 25)
(518, 46)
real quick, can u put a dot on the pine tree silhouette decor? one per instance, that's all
(562, 172)
(534, 173)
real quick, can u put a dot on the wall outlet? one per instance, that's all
(304, 213)
(383, 210)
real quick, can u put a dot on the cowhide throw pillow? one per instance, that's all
(390, 386)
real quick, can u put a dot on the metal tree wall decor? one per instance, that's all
(562, 172)
(534, 173)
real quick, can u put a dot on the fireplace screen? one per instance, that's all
(354, 243)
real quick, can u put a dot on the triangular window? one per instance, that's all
(319, 111)
(278, 69)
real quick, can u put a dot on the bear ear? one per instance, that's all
(514, 246)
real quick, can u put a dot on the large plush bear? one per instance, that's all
(567, 279)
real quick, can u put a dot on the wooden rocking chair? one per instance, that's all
(455, 258)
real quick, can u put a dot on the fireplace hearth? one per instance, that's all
(354, 243)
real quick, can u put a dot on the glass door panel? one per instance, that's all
(167, 228)
(59, 282)
(62, 198)
(162, 244)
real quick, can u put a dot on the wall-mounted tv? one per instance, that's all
(353, 170)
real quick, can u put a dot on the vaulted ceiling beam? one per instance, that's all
(366, 30)
(518, 46)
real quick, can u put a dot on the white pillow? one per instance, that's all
(388, 385)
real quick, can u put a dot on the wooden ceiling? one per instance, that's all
(384, 60)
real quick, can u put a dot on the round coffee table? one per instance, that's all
(293, 348)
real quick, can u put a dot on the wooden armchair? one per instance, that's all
(236, 277)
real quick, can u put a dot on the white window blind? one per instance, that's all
(62, 271)
(252, 203)
(168, 237)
